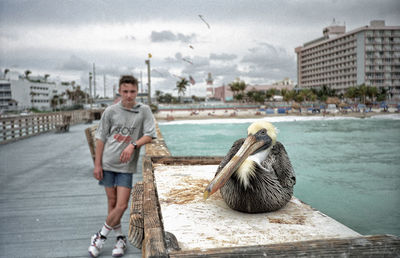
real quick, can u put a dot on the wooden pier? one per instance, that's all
(50, 204)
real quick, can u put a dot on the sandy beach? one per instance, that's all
(168, 115)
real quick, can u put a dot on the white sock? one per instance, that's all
(118, 230)
(105, 230)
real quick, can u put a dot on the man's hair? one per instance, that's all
(128, 79)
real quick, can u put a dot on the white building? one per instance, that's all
(6, 102)
(368, 55)
(18, 93)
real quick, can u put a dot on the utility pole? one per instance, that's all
(141, 86)
(141, 82)
(90, 89)
(94, 80)
(104, 77)
(149, 82)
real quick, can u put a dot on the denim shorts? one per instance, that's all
(111, 179)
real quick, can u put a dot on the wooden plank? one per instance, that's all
(157, 147)
(153, 244)
(187, 160)
(365, 246)
(136, 226)
(63, 126)
(91, 140)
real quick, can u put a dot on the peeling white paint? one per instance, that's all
(199, 224)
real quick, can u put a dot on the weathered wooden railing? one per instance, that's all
(19, 127)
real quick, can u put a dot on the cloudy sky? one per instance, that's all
(247, 39)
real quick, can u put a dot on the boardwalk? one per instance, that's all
(49, 202)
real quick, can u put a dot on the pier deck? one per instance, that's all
(50, 204)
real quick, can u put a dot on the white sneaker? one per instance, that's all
(120, 247)
(96, 244)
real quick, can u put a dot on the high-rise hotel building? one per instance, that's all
(368, 55)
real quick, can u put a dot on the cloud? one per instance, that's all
(114, 70)
(177, 59)
(109, 34)
(94, 11)
(270, 62)
(223, 56)
(129, 37)
(75, 63)
(160, 72)
(165, 36)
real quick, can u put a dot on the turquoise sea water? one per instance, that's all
(348, 169)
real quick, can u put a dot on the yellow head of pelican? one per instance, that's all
(257, 126)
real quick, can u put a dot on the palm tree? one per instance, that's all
(181, 86)
(236, 87)
(271, 93)
(362, 89)
(372, 92)
(352, 93)
(46, 76)
(381, 96)
(288, 95)
(27, 72)
(55, 101)
(71, 95)
(242, 86)
(159, 95)
(5, 72)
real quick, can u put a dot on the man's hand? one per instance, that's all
(126, 153)
(98, 172)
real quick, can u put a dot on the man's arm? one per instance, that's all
(98, 169)
(128, 151)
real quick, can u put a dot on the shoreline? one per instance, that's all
(188, 115)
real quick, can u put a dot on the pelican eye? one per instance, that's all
(263, 132)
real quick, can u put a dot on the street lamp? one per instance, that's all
(148, 81)
(90, 89)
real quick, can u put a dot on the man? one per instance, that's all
(124, 127)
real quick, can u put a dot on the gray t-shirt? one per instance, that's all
(117, 128)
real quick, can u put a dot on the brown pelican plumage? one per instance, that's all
(256, 175)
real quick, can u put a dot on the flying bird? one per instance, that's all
(201, 17)
(187, 60)
(177, 76)
(256, 175)
(192, 81)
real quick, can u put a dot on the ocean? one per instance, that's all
(347, 168)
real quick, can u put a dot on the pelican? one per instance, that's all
(256, 175)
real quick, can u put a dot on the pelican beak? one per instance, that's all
(249, 146)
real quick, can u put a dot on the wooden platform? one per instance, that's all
(297, 230)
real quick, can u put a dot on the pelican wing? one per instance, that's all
(282, 166)
(234, 149)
